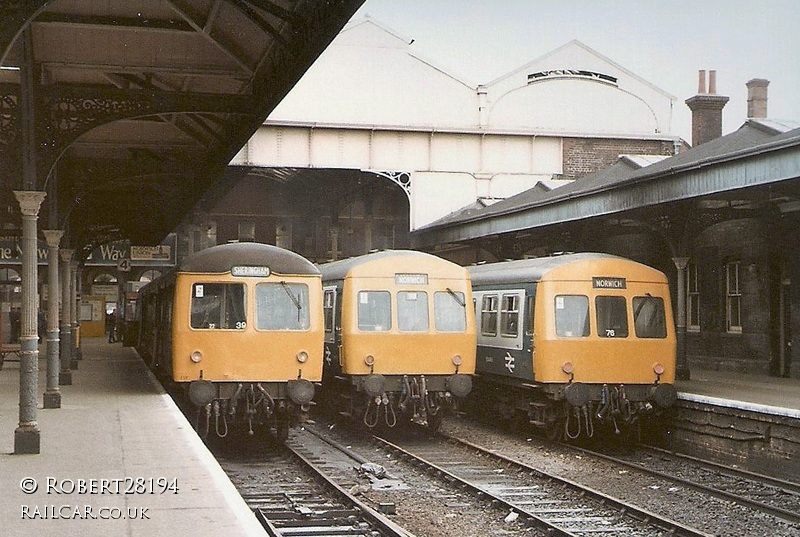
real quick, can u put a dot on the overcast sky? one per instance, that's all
(664, 42)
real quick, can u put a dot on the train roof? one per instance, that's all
(220, 259)
(533, 270)
(402, 260)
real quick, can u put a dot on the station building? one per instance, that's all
(375, 142)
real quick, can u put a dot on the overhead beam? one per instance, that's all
(206, 33)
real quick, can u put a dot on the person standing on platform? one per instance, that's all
(111, 326)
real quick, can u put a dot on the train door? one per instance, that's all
(530, 329)
(332, 315)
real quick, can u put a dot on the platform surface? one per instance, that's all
(115, 424)
(771, 395)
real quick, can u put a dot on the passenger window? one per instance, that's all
(282, 306)
(489, 315)
(612, 316)
(649, 318)
(412, 311)
(327, 307)
(509, 316)
(218, 306)
(449, 311)
(374, 311)
(572, 315)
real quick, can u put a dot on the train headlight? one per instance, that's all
(302, 356)
(567, 368)
(369, 360)
(658, 369)
(196, 356)
(457, 359)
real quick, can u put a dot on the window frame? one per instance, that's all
(493, 298)
(608, 333)
(436, 310)
(497, 338)
(588, 331)
(506, 313)
(401, 315)
(305, 310)
(390, 326)
(662, 311)
(692, 297)
(222, 305)
(733, 297)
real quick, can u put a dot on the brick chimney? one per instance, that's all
(706, 109)
(757, 98)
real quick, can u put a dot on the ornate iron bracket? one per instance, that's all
(401, 179)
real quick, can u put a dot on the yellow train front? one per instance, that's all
(239, 326)
(399, 337)
(574, 343)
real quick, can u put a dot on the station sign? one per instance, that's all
(11, 251)
(123, 255)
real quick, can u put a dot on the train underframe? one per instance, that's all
(392, 400)
(250, 406)
(575, 410)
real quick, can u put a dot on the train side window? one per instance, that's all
(509, 316)
(374, 311)
(489, 315)
(218, 306)
(449, 311)
(328, 305)
(572, 315)
(649, 319)
(412, 311)
(282, 306)
(612, 316)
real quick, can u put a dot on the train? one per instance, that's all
(400, 340)
(238, 329)
(574, 344)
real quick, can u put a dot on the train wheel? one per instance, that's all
(435, 421)
(554, 424)
(554, 430)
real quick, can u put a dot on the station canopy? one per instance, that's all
(129, 111)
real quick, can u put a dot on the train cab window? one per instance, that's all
(612, 316)
(649, 319)
(489, 315)
(509, 316)
(282, 306)
(572, 315)
(449, 311)
(374, 311)
(218, 306)
(327, 308)
(412, 311)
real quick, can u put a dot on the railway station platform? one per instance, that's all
(771, 395)
(749, 421)
(118, 458)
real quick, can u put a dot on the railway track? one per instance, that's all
(558, 506)
(305, 488)
(760, 492)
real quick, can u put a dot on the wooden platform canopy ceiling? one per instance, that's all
(129, 110)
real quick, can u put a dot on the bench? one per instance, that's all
(9, 348)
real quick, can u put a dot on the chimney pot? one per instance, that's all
(712, 82)
(701, 82)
